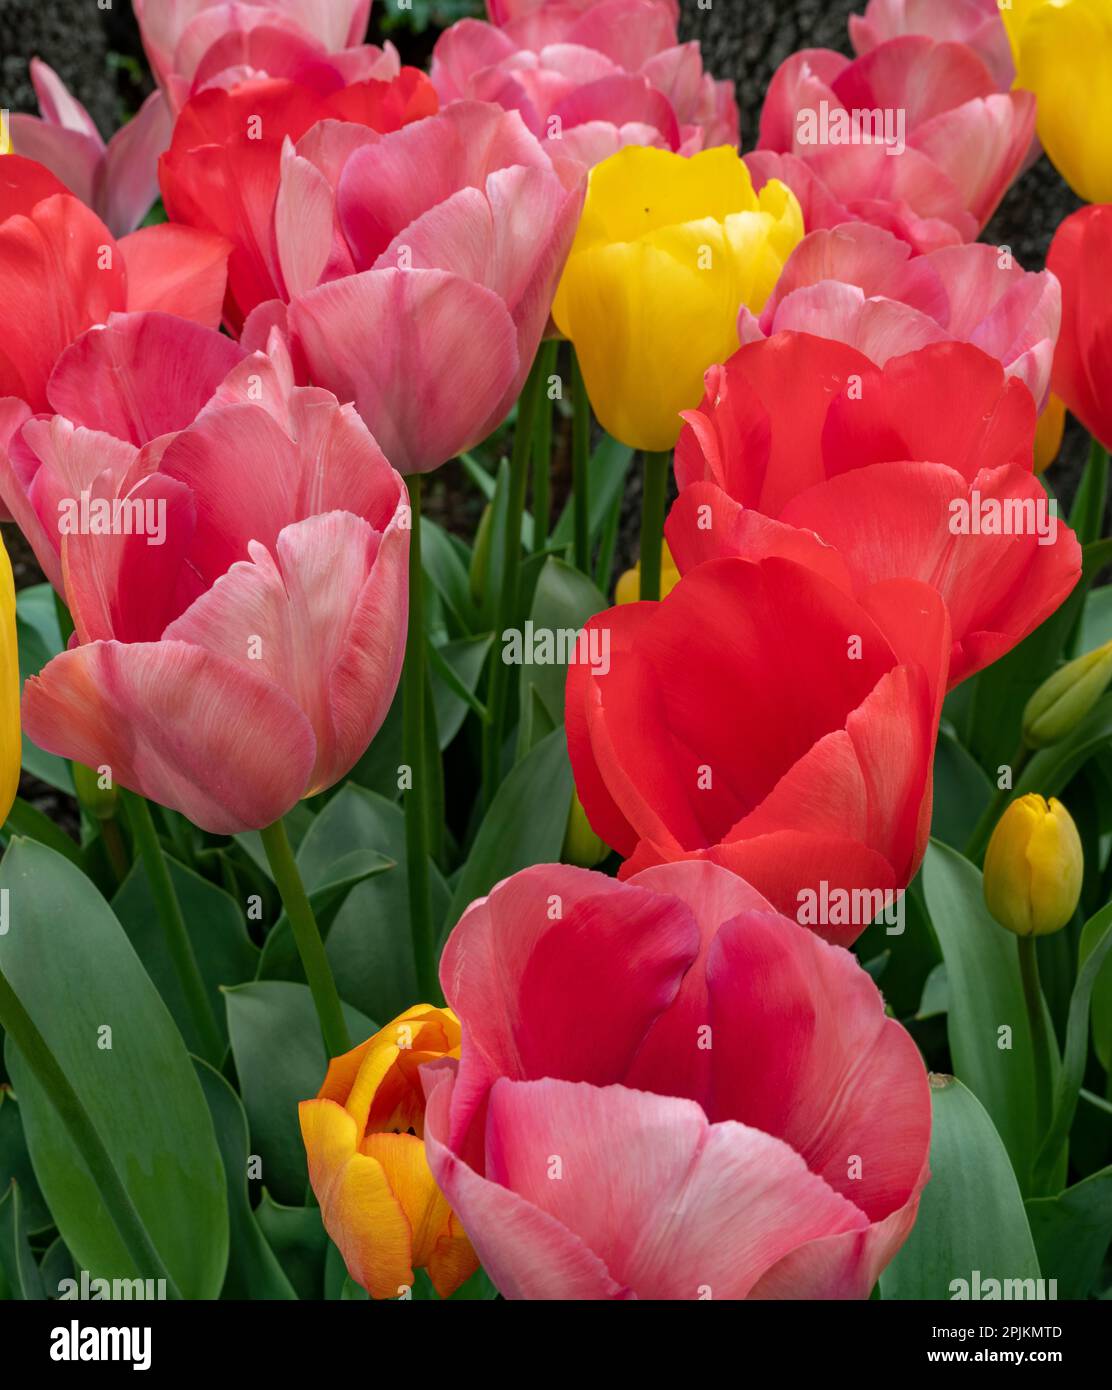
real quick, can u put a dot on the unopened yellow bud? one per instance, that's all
(1034, 867)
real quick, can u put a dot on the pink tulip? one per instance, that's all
(195, 44)
(976, 23)
(65, 272)
(914, 136)
(421, 265)
(754, 1126)
(119, 181)
(240, 620)
(591, 80)
(506, 11)
(862, 286)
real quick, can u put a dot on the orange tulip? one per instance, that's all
(363, 1135)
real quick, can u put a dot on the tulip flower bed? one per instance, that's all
(459, 916)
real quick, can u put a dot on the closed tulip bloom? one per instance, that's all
(749, 1124)
(1063, 54)
(1065, 698)
(237, 645)
(66, 272)
(862, 285)
(363, 1138)
(667, 251)
(1079, 255)
(794, 748)
(920, 470)
(11, 746)
(1034, 867)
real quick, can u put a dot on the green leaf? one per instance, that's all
(466, 659)
(449, 577)
(281, 1061)
(1102, 995)
(962, 790)
(1072, 1232)
(564, 602)
(15, 1165)
(1096, 624)
(225, 953)
(1096, 951)
(25, 819)
(525, 825)
(56, 1265)
(986, 996)
(253, 1267)
(39, 640)
(607, 471)
(20, 1269)
(300, 1242)
(971, 1215)
(1051, 769)
(76, 974)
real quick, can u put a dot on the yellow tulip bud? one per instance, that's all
(628, 589)
(1065, 698)
(1063, 53)
(363, 1137)
(1048, 436)
(1034, 867)
(11, 746)
(582, 847)
(667, 252)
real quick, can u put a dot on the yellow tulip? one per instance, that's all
(1034, 867)
(11, 748)
(667, 252)
(629, 585)
(1065, 698)
(363, 1137)
(1049, 434)
(1063, 53)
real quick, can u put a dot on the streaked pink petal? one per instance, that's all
(131, 165)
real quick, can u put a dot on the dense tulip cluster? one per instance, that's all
(670, 1074)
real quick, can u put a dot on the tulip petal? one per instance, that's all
(181, 726)
(131, 165)
(177, 270)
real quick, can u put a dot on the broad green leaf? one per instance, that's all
(961, 792)
(971, 1219)
(225, 953)
(56, 1265)
(936, 994)
(990, 1038)
(466, 658)
(39, 640)
(564, 602)
(1072, 1232)
(1102, 995)
(281, 1061)
(28, 820)
(15, 1166)
(300, 1243)
(77, 975)
(253, 1268)
(1096, 624)
(20, 1270)
(525, 825)
(449, 577)
(607, 472)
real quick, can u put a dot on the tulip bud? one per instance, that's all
(1034, 867)
(582, 847)
(628, 589)
(1065, 698)
(1049, 434)
(100, 802)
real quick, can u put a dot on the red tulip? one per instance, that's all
(1079, 256)
(751, 1126)
(794, 746)
(240, 620)
(591, 80)
(65, 272)
(441, 245)
(931, 157)
(223, 167)
(920, 470)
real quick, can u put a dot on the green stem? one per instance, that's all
(20, 1027)
(1040, 1038)
(414, 742)
(306, 935)
(508, 598)
(177, 936)
(542, 452)
(580, 466)
(1091, 503)
(114, 847)
(653, 502)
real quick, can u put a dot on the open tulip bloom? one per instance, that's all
(446, 856)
